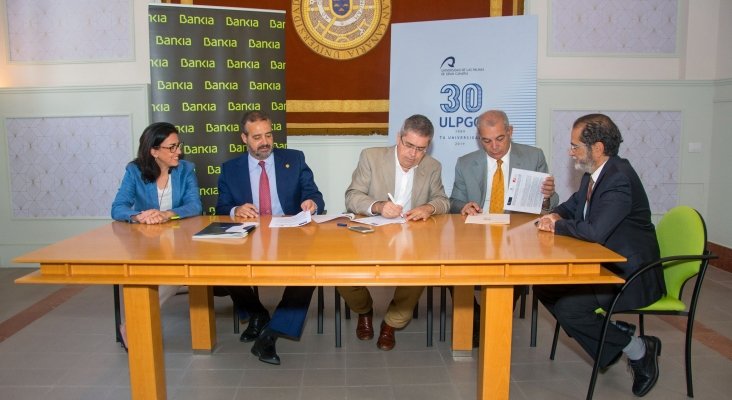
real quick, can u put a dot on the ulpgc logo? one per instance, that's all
(449, 61)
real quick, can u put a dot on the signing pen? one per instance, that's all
(391, 198)
(175, 217)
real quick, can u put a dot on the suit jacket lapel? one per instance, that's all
(419, 185)
(176, 185)
(151, 190)
(246, 185)
(482, 166)
(388, 172)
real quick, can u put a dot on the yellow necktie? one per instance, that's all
(496, 206)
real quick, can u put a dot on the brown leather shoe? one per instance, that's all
(365, 327)
(386, 340)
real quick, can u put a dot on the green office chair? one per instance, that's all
(682, 239)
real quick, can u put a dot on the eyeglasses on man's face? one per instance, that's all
(173, 147)
(410, 146)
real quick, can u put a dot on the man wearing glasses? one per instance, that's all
(481, 177)
(611, 208)
(397, 181)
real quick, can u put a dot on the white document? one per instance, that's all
(378, 220)
(303, 218)
(329, 217)
(489, 219)
(524, 191)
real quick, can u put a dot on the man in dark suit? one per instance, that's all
(244, 191)
(610, 208)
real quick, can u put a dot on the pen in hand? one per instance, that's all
(391, 198)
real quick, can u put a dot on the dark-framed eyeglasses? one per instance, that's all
(173, 147)
(413, 147)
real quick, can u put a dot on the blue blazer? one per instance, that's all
(619, 218)
(295, 183)
(135, 196)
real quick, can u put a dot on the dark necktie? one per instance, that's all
(589, 189)
(265, 199)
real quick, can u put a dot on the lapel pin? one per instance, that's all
(287, 165)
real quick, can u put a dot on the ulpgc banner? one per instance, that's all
(208, 67)
(453, 70)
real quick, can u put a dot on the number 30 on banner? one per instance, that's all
(470, 97)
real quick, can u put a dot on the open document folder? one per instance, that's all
(524, 191)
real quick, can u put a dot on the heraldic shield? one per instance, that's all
(341, 7)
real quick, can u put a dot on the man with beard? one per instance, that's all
(610, 208)
(245, 191)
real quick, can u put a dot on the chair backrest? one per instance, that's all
(681, 231)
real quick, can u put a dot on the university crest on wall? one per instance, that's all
(341, 29)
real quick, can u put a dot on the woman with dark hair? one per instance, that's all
(157, 185)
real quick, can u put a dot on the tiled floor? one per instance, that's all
(70, 353)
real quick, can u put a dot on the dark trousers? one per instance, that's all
(574, 308)
(289, 317)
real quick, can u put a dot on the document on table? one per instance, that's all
(489, 219)
(524, 191)
(329, 217)
(378, 220)
(303, 218)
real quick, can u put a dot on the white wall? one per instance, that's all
(697, 82)
(720, 181)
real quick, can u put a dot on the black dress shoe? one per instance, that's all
(645, 370)
(264, 348)
(255, 327)
(625, 327)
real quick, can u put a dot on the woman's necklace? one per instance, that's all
(162, 194)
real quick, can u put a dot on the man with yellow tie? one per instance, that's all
(490, 167)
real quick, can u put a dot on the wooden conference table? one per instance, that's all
(440, 251)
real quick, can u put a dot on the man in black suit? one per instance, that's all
(610, 208)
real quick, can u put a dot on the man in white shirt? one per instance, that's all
(401, 180)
